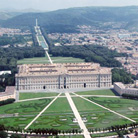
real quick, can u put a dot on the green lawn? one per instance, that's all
(125, 107)
(70, 137)
(97, 92)
(23, 96)
(104, 135)
(97, 117)
(41, 60)
(85, 106)
(25, 108)
(61, 105)
(55, 121)
(21, 122)
(44, 60)
(66, 60)
(59, 116)
(63, 137)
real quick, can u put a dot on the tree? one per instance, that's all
(121, 75)
(15, 136)
(3, 134)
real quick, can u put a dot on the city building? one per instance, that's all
(120, 88)
(62, 76)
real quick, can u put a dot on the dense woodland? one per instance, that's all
(121, 75)
(8, 61)
(91, 53)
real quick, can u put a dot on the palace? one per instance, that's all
(62, 76)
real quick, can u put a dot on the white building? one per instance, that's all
(120, 88)
(62, 76)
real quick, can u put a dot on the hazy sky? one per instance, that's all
(61, 4)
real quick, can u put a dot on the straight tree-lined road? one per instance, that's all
(42, 42)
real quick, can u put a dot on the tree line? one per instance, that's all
(90, 53)
(129, 96)
(121, 75)
(97, 54)
(8, 61)
(120, 129)
(8, 101)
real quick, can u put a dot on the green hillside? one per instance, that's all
(70, 18)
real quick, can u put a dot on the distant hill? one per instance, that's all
(10, 13)
(94, 16)
(7, 15)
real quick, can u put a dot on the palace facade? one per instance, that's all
(62, 76)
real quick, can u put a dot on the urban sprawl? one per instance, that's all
(123, 41)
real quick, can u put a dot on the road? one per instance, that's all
(41, 112)
(105, 108)
(78, 117)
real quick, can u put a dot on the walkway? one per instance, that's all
(78, 117)
(41, 112)
(49, 58)
(33, 99)
(105, 108)
(17, 96)
(108, 96)
(51, 97)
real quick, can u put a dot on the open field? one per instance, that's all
(29, 95)
(44, 60)
(97, 92)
